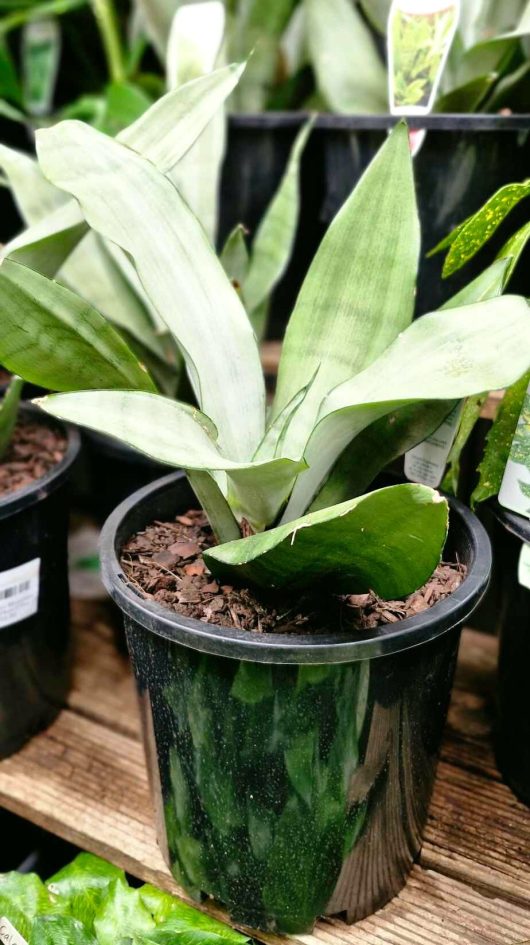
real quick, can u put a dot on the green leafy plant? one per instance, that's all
(303, 54)
(8, 412)
(462, 245)
(90, 902)
(352, 356)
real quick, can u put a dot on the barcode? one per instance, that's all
(14, 590)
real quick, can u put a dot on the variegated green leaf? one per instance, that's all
(128, 201)
(499, 442)
(388, 541)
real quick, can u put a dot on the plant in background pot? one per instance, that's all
(504, 472)
(35, 462)
(89, 902)
(286, 760)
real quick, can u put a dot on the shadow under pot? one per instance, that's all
(34, 602)
(291, 774)
(512, 737)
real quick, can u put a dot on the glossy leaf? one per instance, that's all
(22, 897)
(467, 238)
(82, 885)
(234, 257)
(171, 913)
(54, 339)
(128, 201)
(443, 356)
(468, 97)
(274, 239)
(59, 930)
(121, 914)
(9, 411)
(359, 292)
(499, 441)
(350, 83)
(389, 541)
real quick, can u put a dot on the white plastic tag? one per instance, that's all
(523, 570)
(9, 935)
(426, 462)
(514, 493)
(19, 592)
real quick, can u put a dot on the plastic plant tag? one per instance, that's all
(420, 34)
(9, 935)
(19, 592)
(426, 462)
(41, 51)
(514, 493)
(523, 570)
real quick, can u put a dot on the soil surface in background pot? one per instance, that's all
(33, 451)
(164, 562)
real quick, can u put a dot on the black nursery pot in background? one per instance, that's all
(513, 694)
(464, 159)
(34, 603)
(291, 774)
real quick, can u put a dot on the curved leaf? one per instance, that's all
(59, 930)
(388, 541)
(9, 411)
(51, 337)
(359, 292)
(128, 201)
(499, 441)
(443, 356)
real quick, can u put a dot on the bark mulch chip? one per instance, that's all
(164, 563)
(33, 451)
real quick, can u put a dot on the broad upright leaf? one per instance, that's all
(51, 337)
(257, 27)
(194, 45)
(126, 199)
(235, 257)
(274, 239)
(350, 73)
(9, 411)
(443, 356)
(391, 436)
(388, 541)
(471, 235)
(359, 292)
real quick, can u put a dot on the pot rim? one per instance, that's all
(14, 502)
(271, 121)
(289, 648)
(518, 525)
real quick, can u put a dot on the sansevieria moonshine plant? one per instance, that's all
(294, 773)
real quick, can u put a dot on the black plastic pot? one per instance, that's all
(291, 774)
(512, 740)
(34, 651)
(112, 471)
(464, 159)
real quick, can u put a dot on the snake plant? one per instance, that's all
(353, 362)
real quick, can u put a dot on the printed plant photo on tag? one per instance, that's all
(420, 34)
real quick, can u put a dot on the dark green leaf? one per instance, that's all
(468, 97)
(388, 541)
(124, 103)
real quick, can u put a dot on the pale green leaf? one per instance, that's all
(359, 292)
(349, 71)
(179, 435)
(393, 435)
(256, 27)
(9, 412)
(54, 339)
(35, 197)
(274, 239)
(158, 15)
(234, 256)
(128, 201)
(443, 356)
(388, 541)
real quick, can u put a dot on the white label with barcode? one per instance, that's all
(9, 935)
(19, 592)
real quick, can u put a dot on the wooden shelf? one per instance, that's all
(85, 780)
